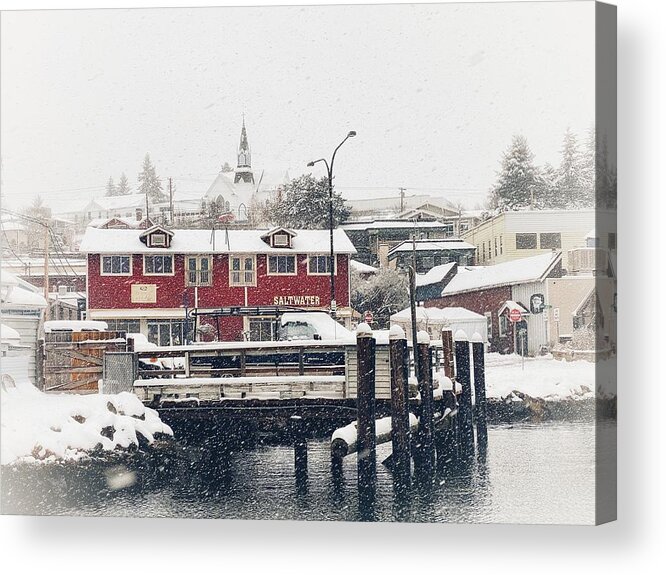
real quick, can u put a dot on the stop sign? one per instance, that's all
(514, 315)
(368, 317)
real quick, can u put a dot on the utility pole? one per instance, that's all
(402, 199)
(171, 201)
(412, 303)
(46, 271)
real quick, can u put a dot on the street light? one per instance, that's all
(329, 169)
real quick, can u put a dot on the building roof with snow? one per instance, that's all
(119, 241)
(435, 275)
(363, 268)
(525, 270)
(431, 245)
(437, 314)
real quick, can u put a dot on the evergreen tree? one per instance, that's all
(122, 189)
(518, 180)
(38, 210)
(149, 182)
(304, 203)
(547, 196)
(110, 188)
(572, 184)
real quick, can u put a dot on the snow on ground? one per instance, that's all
(49, 427)
(544, 377)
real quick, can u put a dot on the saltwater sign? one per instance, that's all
(302, 300)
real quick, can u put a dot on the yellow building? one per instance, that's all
(521, 234)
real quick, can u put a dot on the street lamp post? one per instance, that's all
(329, 169)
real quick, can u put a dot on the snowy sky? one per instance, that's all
(435, 93)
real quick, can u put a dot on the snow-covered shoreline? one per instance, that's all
(48, 428)
(547, 378)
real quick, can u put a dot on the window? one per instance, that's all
(116, 266)
(282, 265)
(198, 271)
(242, 272)
(261, 329)
(166, 332)
(526, 241)
(550, 241)
(503, 325)
(319, 265)
(612, 241)
(281, 240)
(157, 265)
(158, 240)
(126, 325)
(500, 245)
(495, 239)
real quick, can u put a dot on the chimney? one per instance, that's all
(62, 290)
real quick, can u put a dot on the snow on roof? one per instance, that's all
(389, 224)
(524, 270)
(9, 335)
(110, 241)
(432, 245)
(74, 325)
(437, 314)
(18, 296)
(435, 275)
(363, 268)
(510, 304)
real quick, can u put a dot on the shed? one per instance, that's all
(434, 319)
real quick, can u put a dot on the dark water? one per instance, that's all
(534, 473)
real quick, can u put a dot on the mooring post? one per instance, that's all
(300, 453)
(447, 352)
(399, 360)
(478, 360)
(426, 454)
(464, 378)
(365, 403)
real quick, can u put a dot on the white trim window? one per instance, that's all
(116, 266)
(198, 271)
(320, 265)
(158, 265)
(242, 271)
(281, 240)
(282, 265)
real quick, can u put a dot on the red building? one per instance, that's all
(145, 280)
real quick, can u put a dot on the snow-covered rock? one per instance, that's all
(47, 427)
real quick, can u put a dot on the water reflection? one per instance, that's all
(529, 473)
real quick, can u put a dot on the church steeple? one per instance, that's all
(244, 165)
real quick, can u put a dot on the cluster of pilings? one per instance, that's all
(442, 439)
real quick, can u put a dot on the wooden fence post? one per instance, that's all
(401, 457)
(464, 378)
(447, 353)
(478, 360)
(366, 437)
(426, 454)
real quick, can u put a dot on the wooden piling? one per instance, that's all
(447, 353)
(367, 455)
(464, 378)
(400, 436)
(300, 453)
(478, 360)
(426, 454)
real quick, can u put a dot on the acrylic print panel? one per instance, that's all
(362, 269)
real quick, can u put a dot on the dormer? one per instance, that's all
(157, 237)
(279, 238)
